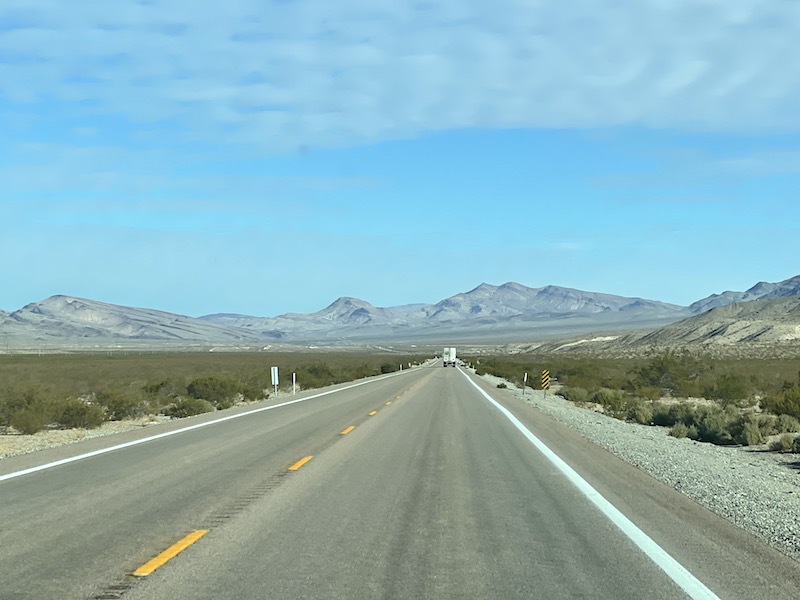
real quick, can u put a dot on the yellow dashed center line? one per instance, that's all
(300, 463)
(372, 413)
(347, 430)
(389, 403)
(169, 553)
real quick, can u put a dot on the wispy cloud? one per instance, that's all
(760, 164)
(285, 75)
(108, 169)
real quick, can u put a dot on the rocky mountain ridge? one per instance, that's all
(487, 308)
(756, 328)
(765, 320)
(65, 317)
(493, 313)
(763, 290)
(483, 305)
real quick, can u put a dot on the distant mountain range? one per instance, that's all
(488, 312)
(486, 304)
(760, 291)
(67, 318)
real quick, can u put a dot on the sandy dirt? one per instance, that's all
(12, 443)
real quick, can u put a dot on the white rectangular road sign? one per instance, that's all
(274, 375)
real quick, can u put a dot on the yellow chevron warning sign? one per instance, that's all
(545, 379)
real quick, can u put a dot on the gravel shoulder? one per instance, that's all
(14, 444)
(756, 489)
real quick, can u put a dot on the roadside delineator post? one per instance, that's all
(274, 371)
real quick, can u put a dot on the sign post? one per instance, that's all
(294, 383)
(524, 381)
(545, 381)
(275, 379)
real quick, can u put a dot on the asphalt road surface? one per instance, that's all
(418, 486)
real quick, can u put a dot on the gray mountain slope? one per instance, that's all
(507, 310)
(343, 313)
(484, 306)
(761, 291)
(783, 289)
(763, 321)
(740, 329)
(65, 317)
(487, 311)
(516, 299)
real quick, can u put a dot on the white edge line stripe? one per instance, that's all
(674, 570)
(151, 438)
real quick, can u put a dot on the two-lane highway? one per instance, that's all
(419, 487)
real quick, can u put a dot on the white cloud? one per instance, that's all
(283, 75)
(108, 170)
(761, 164)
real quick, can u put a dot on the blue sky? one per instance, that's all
(268, 157)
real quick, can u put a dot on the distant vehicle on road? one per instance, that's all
(449, 357)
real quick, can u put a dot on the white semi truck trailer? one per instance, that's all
(449, 357)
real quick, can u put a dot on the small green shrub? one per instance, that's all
(783, 443)
(676, 372)
(714, 424)
(223, 404)
(502, 386)
(731, 389)
(650, 393)
(122, 405)
(661, 415)
(641, 412)
(751, 434)
(787, 424)
(577, 395)
(796, 445)
(666, 415)
(785, 402)
(29, 410)
(30, 420)
(76, 413)
(217, 389)
(614, 402)
(752, 429)
(187, 407)
(13, 400)
(320, 374)
(154, 388)
(679, 430)
(253, 393)
(767, 424)
(162, 392)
